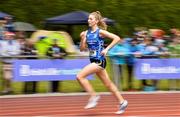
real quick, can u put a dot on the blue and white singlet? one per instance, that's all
(95, 44)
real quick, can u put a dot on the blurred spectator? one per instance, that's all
(30, 51)
(174, 49)
(135, 51)
(2, 29)
(22, 42)
(9, 24)
(56, 52)
(163, 51)
(118, 55)
(150, 51)
(174, 32)
(9, 48)
(156, 33)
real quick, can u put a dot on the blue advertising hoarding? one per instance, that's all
(157, 68)
(48, 70)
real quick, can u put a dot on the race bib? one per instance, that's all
(92, 53)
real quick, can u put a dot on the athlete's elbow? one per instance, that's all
(118, 39)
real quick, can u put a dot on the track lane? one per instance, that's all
(163, 104)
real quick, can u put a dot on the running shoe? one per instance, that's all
(122, 107)
(92, 102)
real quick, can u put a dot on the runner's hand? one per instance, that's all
(104, 52)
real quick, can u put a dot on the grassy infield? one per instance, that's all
(73, 86)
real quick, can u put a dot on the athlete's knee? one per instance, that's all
(78, 77)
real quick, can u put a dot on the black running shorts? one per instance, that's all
(101, 63)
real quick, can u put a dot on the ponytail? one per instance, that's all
(101, 23)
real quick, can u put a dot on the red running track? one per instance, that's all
(140, 104)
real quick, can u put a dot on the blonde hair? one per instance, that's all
(101, 22)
